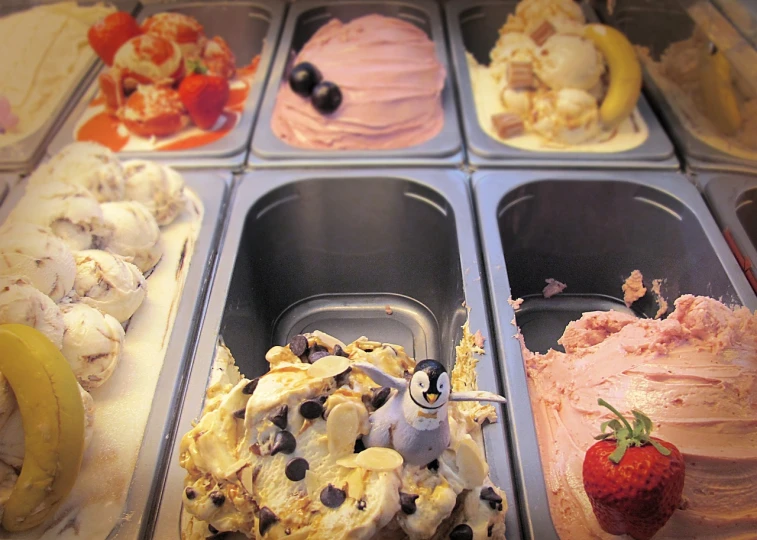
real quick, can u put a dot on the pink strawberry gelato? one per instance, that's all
(694, 374)
(391, 82)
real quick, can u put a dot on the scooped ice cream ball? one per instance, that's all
(70, 211)
(566, 61)
(21, 303)
(569, 116)
(107, 282)
(136, 235)
(85, 164)
(36, 253)
(159, 188)
(92, 343)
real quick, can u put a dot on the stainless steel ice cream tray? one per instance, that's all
(26, 153)
(304, 18)
(250, 27)
(588, 229)
(473, 27)
(329, 250)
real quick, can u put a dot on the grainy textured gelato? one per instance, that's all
(694, 374)
(159, 188)
(22, 303)
(136, 235)
(391, 82)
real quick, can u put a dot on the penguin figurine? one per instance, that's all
(414, 421)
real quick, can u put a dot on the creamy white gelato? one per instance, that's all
(107, 282)
(22, 303)
(511, 47)
(136, 235)
(92, 343)
(568, 115)
(565, 15)
(159, 188)
(34, 252)
(567, 61)
(89, 415)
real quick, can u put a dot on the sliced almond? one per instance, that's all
(471, 464)
(328, 366)
(349, 462)
(342, 428)
(328, 340)
(245, 476)
(356, 485)
(379, 459)
(312, 484)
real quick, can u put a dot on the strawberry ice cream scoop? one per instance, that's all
(149, 59)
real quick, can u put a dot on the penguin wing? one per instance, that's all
(476, 395)
(379, 376)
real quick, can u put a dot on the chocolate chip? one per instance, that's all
(266, 519)
(217, 498)
(359, 446)
(298, 345)
(461, 532)
(313, 357)
(338, 351)
(250, 387)
(361, 504)
(490, 530)
(296, 468)
(287, 531)
(499, 507)
(239, 414)
(212, 529)
(433, 466)
(323, 399)
(368, 350)
(279, 418)
(333, 497)
(380, 395)
(190, 493)
(283, 442)
(343, 377)
(407, 503)
(488, 494)
(311, 409)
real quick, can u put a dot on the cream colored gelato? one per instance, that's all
(240, 479)
(22, 303)
(136, 235)
(107, 282)
(159, 188)
(69, 210)
(565, 15)
(45, 53)
(567, 61)
(34, 252)
(694, 374)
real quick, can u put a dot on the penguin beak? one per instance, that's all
(431, 398)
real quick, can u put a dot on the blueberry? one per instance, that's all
(326, 97)
(303, 78)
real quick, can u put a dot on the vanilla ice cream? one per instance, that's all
(85, 164)
(565, 15)
(136, 235)
(70, 211)
(107, 282)
(511, 47)
(45, 53)
(22, 303)
(566, 115)
(567, 61)
(92, 343)
(148, 59)
(244, 475)
(694, 374)
(159, 188)
(36, 253)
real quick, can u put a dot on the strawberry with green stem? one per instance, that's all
(205, 96)
(634, 481)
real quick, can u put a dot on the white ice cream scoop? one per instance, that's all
(136, 235)
(86, 164)
(92, 343)
(159, 188)
(566, 61)
(21, 303)
(70, 211)
(569, 116)
(107, 282)
(36, 253)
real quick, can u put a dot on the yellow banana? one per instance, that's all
(625, 73)
(53, 418)
(720, 102)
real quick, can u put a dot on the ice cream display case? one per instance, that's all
(157, 100)
(699, 70)
(405, 274)
(588, 232)
(45, 69)
(535, 92)
(393, 107)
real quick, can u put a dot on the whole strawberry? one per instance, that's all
(204, 96)
(107, 35)
(634, 481)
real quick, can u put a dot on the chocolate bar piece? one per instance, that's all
(508, 125)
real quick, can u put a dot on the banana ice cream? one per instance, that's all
(555, 83)
(136, 235)
(22, 303)
(46, 54)
(281, 456)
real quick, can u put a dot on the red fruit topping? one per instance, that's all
(107, 35)
(205, 97)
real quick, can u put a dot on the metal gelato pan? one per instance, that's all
(331, 250)
(303, 20)
(26, 153)
(250, 27)
(733, 200)
(657, 24)
(589, 230)
(474, 27)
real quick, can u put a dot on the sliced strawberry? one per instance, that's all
(112, 91)
(107, 35)
(205, 97)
